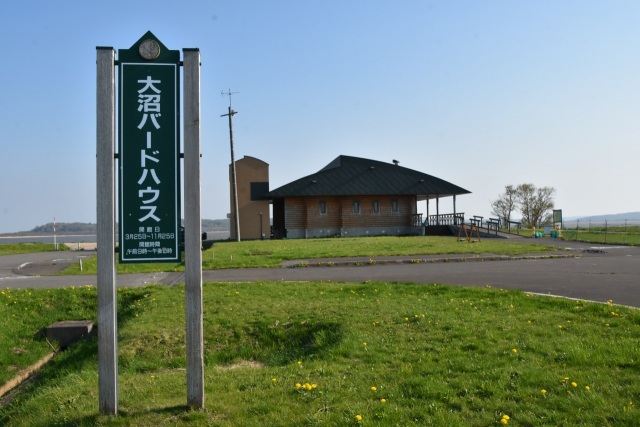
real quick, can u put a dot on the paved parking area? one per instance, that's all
(575, 270)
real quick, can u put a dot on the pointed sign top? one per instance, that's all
(149, 49)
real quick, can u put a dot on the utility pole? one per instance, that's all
(234, 184)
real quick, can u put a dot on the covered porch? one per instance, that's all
(434, 217)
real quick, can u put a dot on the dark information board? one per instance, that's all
(149, 152)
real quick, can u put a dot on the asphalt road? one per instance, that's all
(576, 270)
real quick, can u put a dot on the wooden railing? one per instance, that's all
(445, 219)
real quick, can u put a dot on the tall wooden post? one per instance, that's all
(234, 183)
(105, 193)
(193, 230)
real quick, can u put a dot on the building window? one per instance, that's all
(394, 206)
(323, 207)
(376, 207)
(356, 207)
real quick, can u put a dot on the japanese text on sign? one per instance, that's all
(149, 163)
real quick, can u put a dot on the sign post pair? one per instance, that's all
(149, 190)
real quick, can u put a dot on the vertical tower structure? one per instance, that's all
(252, 180)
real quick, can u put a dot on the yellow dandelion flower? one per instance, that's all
(374, 388)
(274, 379)
(514, 350)
(364, 344)
(358, 418)
(543, 391)
(504, 421)
(383, 400)
(298, 386)
(506, 417)
(587, 387)
(574, 384)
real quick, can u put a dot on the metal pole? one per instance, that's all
(106, 274)
(192, 230)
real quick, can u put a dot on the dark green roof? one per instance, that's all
(354, 176)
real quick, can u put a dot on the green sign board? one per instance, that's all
(557, 216)
(149, 152)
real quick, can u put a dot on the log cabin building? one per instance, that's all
(353, 196)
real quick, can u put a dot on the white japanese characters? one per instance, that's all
(149, 156)
(149, 102)
(150, 108)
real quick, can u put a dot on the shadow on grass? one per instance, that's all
(127, 417)
(73, 360)
(280, 344)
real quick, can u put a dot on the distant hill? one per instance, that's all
(63, 228)
(630, 216)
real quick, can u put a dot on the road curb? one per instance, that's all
(419, 260)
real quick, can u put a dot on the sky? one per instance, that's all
(480, 94)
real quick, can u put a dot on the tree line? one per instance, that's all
(66, 227)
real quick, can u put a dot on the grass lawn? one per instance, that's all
(28, 248)
(270, 253)
(334, 354)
